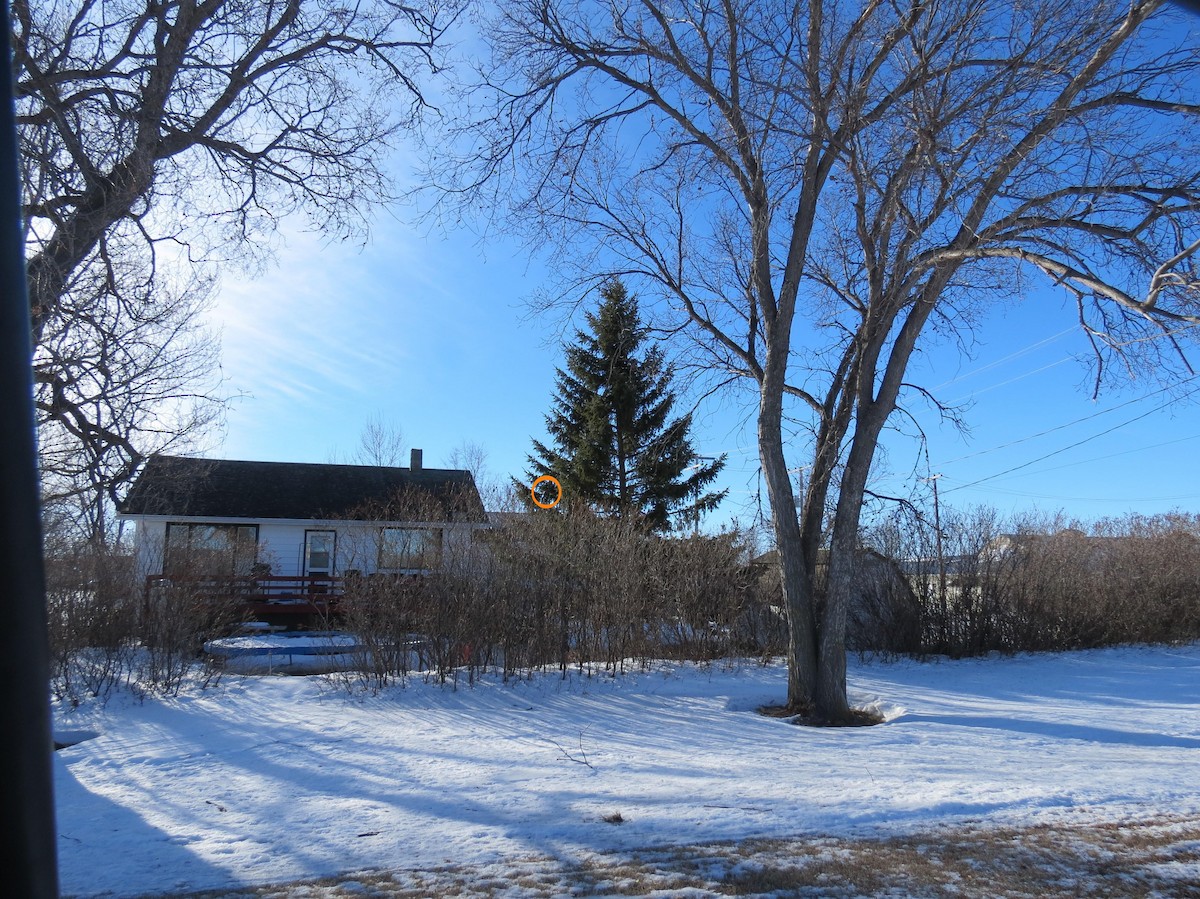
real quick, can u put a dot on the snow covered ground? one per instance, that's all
(267, 779)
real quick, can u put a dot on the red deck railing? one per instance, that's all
(268, 595)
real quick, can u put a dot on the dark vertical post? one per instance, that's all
(943, 606)
(27, 791)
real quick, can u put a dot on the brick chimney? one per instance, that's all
(415, 463)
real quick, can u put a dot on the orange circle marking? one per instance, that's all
(533, 491)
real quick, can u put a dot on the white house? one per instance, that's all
(284, 520)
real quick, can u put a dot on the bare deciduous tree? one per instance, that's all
(380, 442)
(814, 189)
(470, 456)
(158, 134)
(116, 382)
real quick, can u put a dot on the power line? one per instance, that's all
(1012, 380)
(1023, 351)
(1069, 424)
(1094, 499)
(1140, 449)
(1013, 355)
(1064, 449)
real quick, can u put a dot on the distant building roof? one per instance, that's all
(768, 559)
(221, 488)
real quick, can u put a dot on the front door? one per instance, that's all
(318, 553)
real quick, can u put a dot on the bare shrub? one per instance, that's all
(703, 587)
(185, 609)
(1133, 580)
(412, 612)
(618, 594)
(549, 590)
(108, 629)
(762, 627)
(92, 619)
(1042, 582)
(381, 611)
(554, 581)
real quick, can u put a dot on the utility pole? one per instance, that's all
(800, 497)
(937, 525)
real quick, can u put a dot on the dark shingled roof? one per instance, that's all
(216, 488)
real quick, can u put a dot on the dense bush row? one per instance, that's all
(1033, 584)
(540, 592)
(549, 592)
(106, 631)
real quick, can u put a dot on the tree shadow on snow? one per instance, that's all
(1057, 729)
(100, 844)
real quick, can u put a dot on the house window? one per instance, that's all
(214, 549)
(319, 549)
(401, 548)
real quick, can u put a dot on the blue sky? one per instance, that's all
(431, 334)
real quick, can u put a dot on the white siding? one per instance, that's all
(281, 543)
(149, 540)
(282, 547)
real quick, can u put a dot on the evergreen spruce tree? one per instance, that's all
(616, 447)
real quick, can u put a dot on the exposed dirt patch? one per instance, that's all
(857, 717)
(1159, 856)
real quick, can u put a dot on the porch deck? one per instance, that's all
(264, 597)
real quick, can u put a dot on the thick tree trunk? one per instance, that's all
(871, 413)
(831, 702)
(795, 574)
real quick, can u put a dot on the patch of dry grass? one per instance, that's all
(855, 718)
(1159, 856)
